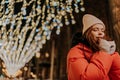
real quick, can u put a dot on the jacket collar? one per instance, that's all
(84, 47)
(86, 50)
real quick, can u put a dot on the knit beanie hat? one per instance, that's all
(90, 20)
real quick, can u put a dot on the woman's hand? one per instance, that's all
(104, 45)
(107, 46)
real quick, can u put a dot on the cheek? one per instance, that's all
(95, 36)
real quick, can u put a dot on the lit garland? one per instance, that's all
(23, 32)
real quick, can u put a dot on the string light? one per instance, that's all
(24, 30)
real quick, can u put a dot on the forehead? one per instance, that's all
(98, 26)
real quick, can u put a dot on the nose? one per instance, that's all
(101, 34)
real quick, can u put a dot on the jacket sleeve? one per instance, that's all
(80, 69)
(114, 73)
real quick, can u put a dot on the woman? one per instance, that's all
(93, 58)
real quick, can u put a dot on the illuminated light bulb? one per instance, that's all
(25, 68)
(37, 55)
(61, 24)
(43, 41)
(34, 76)
(48, 37)
(73, 21)
(81, 3)
(82, 9)
(45, 33)
(52, 15)
(31, 73)
(46, 55)
(78, 0)
(67, 22)
(63, 13)
(58, 32)
(77, 10)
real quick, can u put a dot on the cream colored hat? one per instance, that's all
(90, 20)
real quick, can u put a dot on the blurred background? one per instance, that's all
(49, 60)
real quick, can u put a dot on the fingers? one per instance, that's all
(108, 46)
(104, 45)
(112, 46)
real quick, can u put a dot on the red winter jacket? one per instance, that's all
(82, 64)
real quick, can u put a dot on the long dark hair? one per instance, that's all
(78, 38)
(86, 39)
(94, 45)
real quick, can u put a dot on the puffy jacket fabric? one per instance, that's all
(83, 64)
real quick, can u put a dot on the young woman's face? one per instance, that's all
(98, 31)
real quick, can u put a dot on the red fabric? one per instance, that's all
(101, 65)
(115, 69)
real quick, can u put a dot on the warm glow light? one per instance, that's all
(46, 55)
(31, 73)
(25, 68)
(37, 55)
(25, 25)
